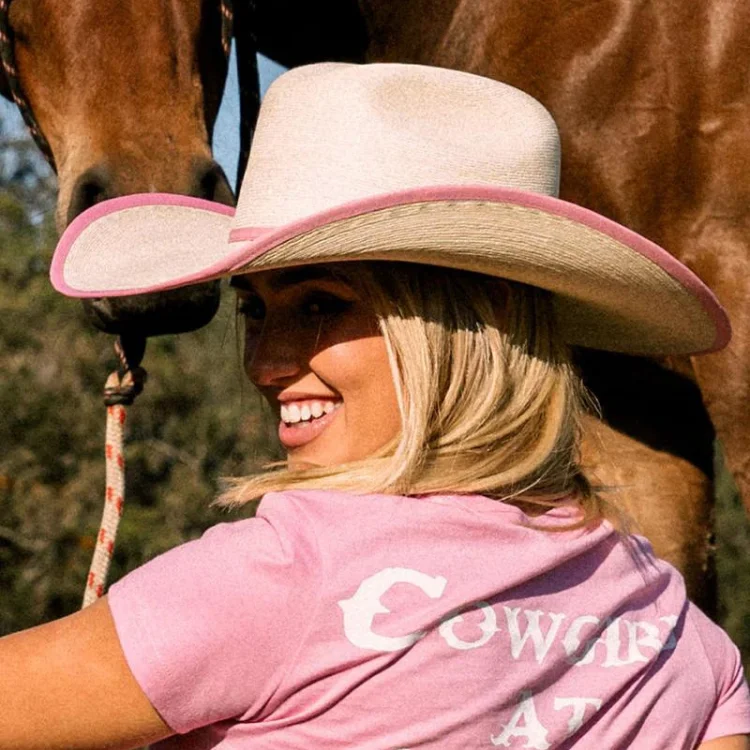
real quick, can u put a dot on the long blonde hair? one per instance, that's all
(490, 402)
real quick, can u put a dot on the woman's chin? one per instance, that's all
(310, 448)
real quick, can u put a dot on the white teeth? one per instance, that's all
(292, 413)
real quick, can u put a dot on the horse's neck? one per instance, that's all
(414, 30)
(494, 36)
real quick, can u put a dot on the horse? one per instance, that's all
(650, 100)
(121, 97)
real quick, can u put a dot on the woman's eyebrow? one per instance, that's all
(287, 278)
(293, 276)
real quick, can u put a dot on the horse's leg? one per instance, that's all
(724, 377)
(655, 450)
(667, 497)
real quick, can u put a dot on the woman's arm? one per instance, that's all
(735, 742)
(67, 685)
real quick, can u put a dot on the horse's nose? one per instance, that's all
(173, 311)
(211, 183)
(204, 178)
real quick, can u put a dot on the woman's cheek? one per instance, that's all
(350, 363)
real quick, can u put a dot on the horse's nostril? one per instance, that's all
(92, 187)
(208, 184)
(211, 183)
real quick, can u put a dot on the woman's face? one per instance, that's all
(314, 350)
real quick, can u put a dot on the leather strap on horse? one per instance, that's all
(239, 21)
(120, 390)
(247, 79)
(8, 61)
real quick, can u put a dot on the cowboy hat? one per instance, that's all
(403, 163)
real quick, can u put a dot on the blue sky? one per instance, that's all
(226, 133)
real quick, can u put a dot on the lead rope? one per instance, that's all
(120, 390)
(127, 381)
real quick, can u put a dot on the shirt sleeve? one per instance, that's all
(731, 714)
(210, 627)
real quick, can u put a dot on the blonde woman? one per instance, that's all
(430, 568)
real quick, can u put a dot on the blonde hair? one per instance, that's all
(490, 403)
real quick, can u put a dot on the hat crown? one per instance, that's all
(333, 133)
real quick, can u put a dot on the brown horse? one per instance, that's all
(650, 98)
(125, 94)
(653, 104)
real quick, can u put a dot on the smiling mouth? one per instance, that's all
(302, 421)
(306, 411)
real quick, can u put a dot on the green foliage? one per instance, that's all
(733, 561)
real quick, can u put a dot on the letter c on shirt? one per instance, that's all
(360, 610)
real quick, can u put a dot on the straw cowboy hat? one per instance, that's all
(403, 163)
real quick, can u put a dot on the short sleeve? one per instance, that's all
(731, 714)
(210, 627)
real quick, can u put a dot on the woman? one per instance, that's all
(431, 568)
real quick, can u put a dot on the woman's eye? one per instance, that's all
(252, 308)
(325, 304)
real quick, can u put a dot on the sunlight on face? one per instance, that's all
(314, 350)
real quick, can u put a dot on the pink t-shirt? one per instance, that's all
(339, 621)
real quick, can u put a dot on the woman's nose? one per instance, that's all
(272, 357)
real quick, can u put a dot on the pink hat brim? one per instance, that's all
(186, 257)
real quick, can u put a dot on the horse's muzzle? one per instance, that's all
(174, 311)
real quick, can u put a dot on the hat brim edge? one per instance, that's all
(249, 246)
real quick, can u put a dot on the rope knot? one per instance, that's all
(125, 383)
(122, 386)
